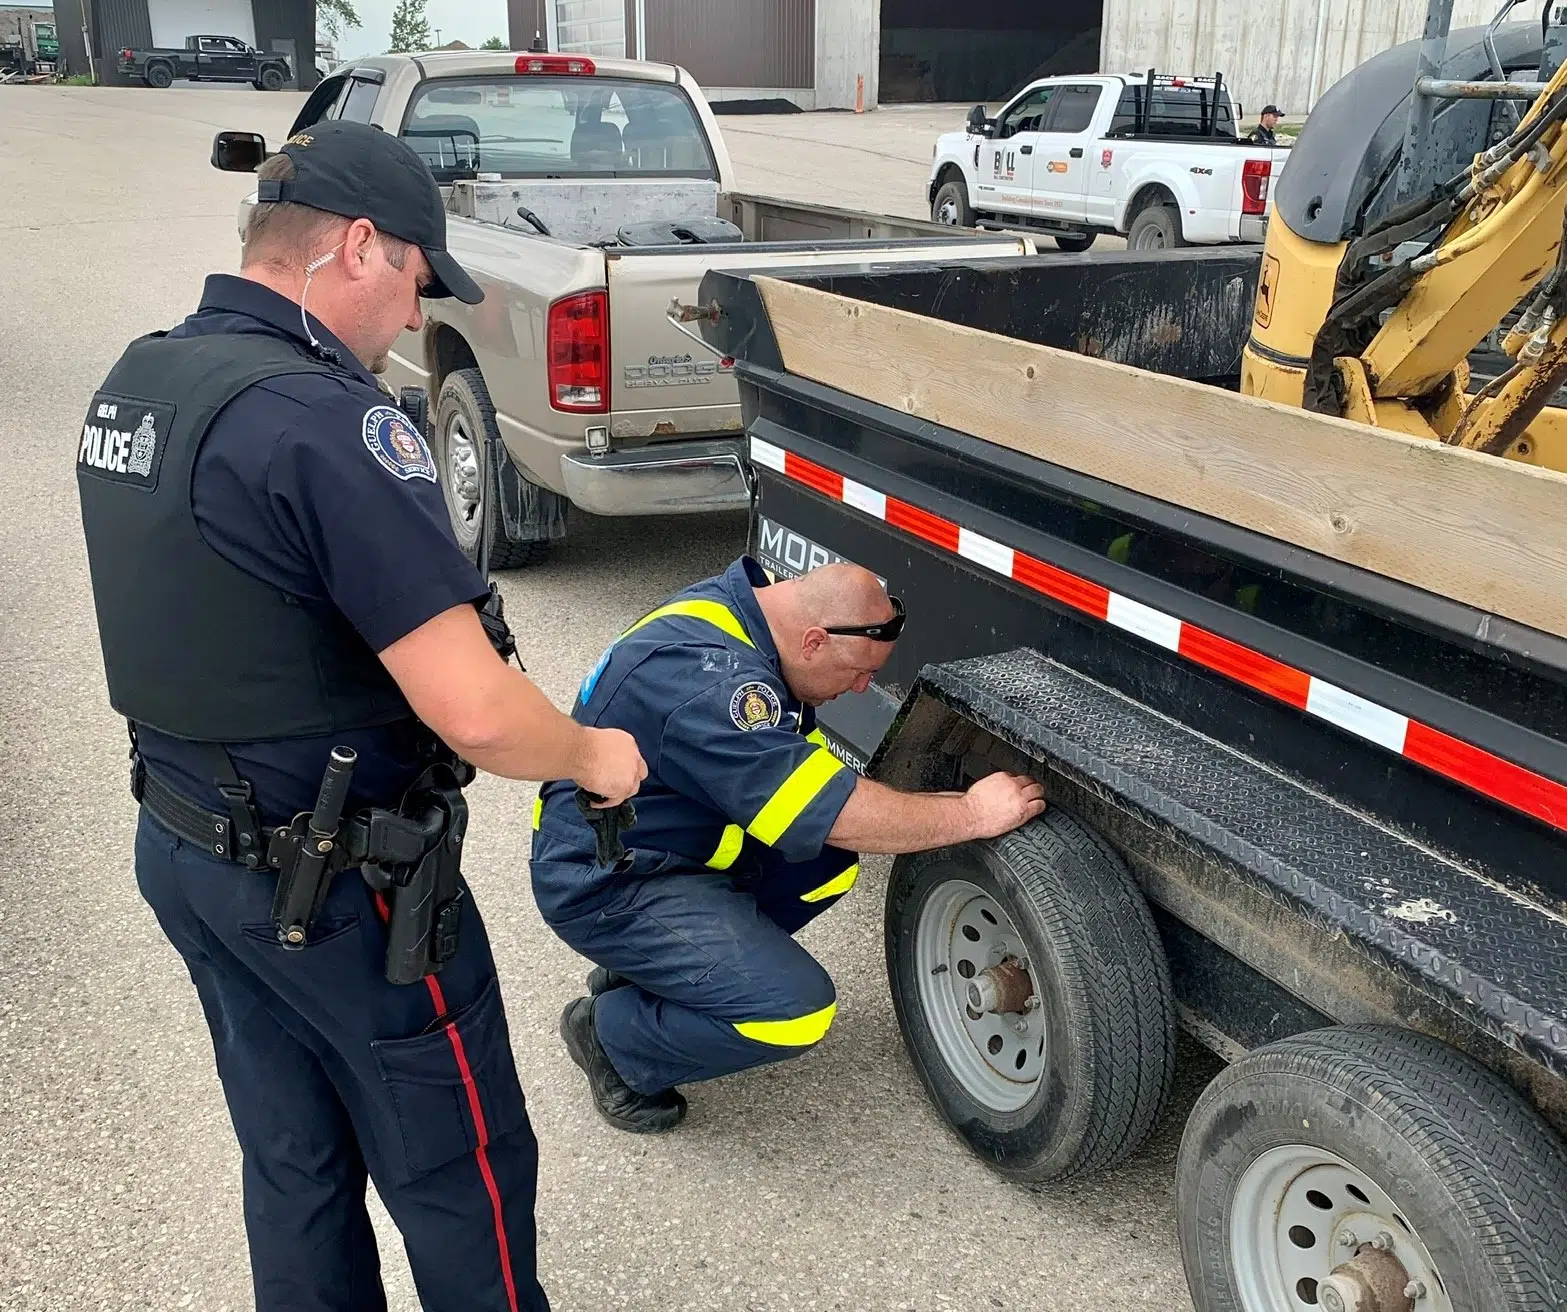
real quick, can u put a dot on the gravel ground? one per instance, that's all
(825, 1183)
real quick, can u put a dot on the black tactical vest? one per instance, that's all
(193, 645)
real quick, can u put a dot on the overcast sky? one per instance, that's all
(470, 21)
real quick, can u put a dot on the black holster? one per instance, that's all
(413, 858)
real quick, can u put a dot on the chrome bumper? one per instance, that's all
(671, 478)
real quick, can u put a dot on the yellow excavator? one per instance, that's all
(1384, 283)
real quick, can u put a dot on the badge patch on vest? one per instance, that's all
(753, 705)
(123, 440)
(396, 444)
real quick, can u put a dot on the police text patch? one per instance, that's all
(123, 439)
(396, 444)
(754, 705)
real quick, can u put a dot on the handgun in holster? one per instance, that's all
(413, 858)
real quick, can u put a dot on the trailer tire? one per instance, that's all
(464, 420)
(1156, 228)
(951, 205)
(1076, 242)
(1095, 1055)
(272, 78)
(1301, 1153)
(159, 76)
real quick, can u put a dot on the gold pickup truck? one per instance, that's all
(585, 196)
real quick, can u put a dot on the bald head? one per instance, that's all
(818, 665)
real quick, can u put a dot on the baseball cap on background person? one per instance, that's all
(1271, 109)
(361, 172)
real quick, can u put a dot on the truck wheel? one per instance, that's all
(1156, 228)
(1077, 241)
(464, 418)
(272, 79)
(159, 75)
(1366, 1167)
(951, 205)
(1033, 996)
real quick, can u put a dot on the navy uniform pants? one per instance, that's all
(718, 983)
(333, 1076)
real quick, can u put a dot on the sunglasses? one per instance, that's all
(886, 631)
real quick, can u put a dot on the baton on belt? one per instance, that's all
(303, 882)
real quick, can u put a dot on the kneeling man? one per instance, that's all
(747, 828)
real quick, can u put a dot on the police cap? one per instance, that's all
(361, 172)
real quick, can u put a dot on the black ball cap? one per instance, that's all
(361, 172)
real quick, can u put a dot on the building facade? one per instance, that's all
(848, 54)
(95, 31)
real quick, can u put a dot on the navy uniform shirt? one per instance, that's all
(292, 486)
(738, 774)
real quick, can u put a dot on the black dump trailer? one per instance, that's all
(1313, 812)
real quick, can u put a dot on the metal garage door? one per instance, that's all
(735, 43)
(174, 20)
(591, 27)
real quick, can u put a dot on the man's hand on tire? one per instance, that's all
(1000, 803)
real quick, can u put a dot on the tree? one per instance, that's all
(332, 16)
(410, 28)
(494, 43)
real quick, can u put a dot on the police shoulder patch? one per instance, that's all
(755, 704)
(396, 444)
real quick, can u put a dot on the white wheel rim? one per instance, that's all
(997, 1059)
(1301, 1212)
(947, 213)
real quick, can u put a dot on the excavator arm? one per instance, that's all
(1378, 324)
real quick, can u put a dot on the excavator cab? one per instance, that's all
(1383, 278)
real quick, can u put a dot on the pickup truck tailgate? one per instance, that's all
(662, 384)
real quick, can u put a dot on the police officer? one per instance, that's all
(746, 829)
(275, 576)
(1265, 133)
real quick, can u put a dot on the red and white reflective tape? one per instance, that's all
(1462, 762)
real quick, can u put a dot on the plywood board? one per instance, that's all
(1480, 530)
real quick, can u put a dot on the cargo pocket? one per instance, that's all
(452, 1089)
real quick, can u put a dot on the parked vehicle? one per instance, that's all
(1302, 730)
(1157, 160)
(208, 59)
(584, 195)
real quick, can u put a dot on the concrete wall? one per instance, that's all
(848, 47)
(1286, 51)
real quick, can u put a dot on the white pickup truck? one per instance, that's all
(584, 196)
(1156, 159)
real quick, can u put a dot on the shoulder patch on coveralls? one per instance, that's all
(755, 704)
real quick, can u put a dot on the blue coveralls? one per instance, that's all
(729, 855)
(331, 1073)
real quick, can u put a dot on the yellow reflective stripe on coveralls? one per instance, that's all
(800, 1033)
(713, 612)
(728, 848)
(796, 793)
(538, 811)
(837, 884)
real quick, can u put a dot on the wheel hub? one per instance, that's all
(462, 463)
(1308, 1230)
(978, 996)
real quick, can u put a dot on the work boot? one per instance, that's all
(618, 1103)
(601, 979)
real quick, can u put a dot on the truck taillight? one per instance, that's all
(126, 53)
(1255, 175)
(578, 345)
(570, 65)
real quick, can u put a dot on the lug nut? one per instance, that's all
(1383, 1243)
(1415, 1289)
(1349, 1240)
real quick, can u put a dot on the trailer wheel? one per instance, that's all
(464, 418)
(1156, 228)
(272, 78)
(1372, 1169)
(951, 205)
(159, 76)
(1076, 242)
(1033, 996)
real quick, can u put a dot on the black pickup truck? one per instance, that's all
(208, 59)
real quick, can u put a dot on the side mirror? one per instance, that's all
(239, 152)
(977, 119)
